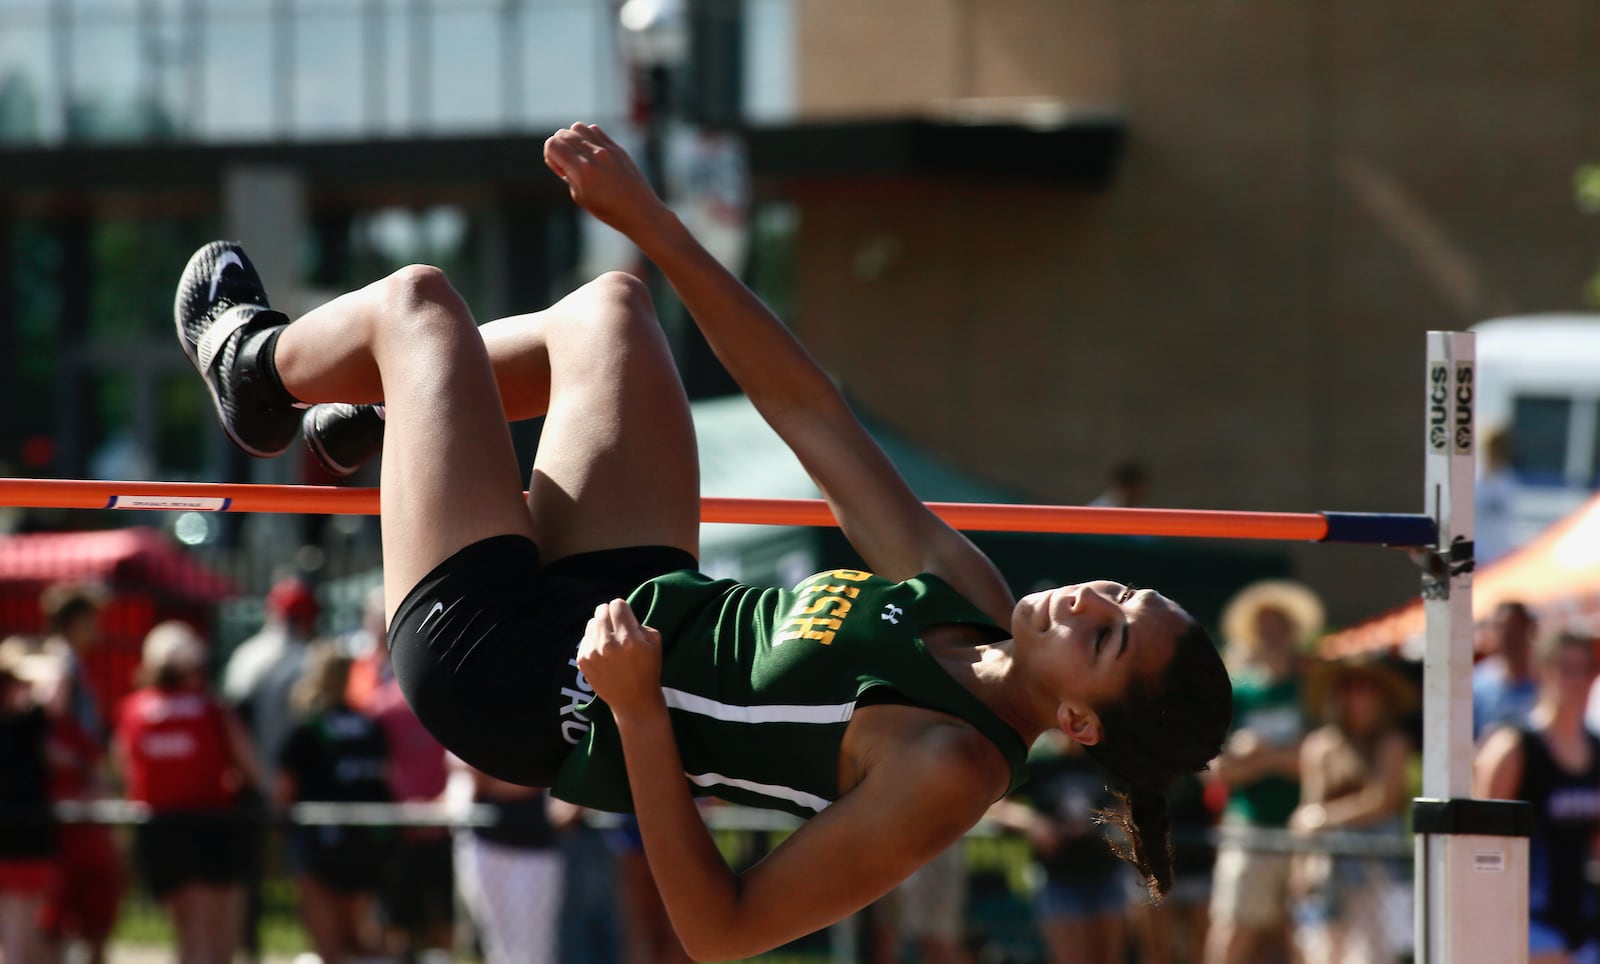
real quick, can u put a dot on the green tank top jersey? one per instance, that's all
(761, 682)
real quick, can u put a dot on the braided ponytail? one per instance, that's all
(1160, 731)
(1146, 829)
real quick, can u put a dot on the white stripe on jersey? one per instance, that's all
(808, 800)
(767, 713)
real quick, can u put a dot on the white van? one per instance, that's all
(1539, 377)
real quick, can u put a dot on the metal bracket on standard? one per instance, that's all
(1439, 567)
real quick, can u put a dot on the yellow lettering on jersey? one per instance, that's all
(849, 592)
(841, 607)
(822, 617)
(849, 575)
(808, 627)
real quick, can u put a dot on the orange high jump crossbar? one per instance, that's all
(1378, 528)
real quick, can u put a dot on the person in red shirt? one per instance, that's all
(186, 757)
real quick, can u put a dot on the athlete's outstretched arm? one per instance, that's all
(894, 532)
(905, 811)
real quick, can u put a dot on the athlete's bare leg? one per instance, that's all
(616, 465)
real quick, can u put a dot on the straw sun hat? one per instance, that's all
(1399, 690)
(1294, 599)
(22, 659)
(12, 656)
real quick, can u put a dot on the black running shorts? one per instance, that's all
(174, 849)
(485, 648)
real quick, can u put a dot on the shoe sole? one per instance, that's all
(194, 360)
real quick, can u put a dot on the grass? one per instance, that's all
(143, 924)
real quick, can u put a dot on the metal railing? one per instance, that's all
(1001, 878)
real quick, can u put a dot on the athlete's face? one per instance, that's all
(1093, 640)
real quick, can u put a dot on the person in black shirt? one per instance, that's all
(1554, 763)
(334, 754)
(1079, 910)
(28, 847)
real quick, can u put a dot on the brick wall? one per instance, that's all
(888, 56)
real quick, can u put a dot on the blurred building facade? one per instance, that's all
(337, 138)
(1303, 188)
(1036, 236)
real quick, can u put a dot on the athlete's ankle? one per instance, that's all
(258, 355)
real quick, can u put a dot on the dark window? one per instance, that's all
(1593, 480)
(715, 72)
(1541, 438)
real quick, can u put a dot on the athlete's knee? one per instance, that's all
(622, 289)
(419, 301)
(617, 296)
(419, 286)
(606, 323)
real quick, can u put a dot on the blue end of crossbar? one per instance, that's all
(1382, 528)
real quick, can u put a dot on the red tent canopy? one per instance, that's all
(1557, 575)
(150, 579)
(121, 559)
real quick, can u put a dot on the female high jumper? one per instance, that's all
(567, 640)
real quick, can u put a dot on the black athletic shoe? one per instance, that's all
(225, 326)
(343, 437)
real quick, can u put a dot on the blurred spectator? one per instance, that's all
(417, 895)
(510, 874)
(418, 769)
(1079, 910)
(334, 754)
(590, 925)
(260, 676)
(1353, 777)
(72, 628)
(928, 912)
(1128, 486)
(1553, 762)
(647, 933)
(28, 868)
(364, 643)
(1495, 492)
(264, 669)
(1265, 625)
(1504, 688)
(186, 757)
(1175, 929)
(83, 905)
